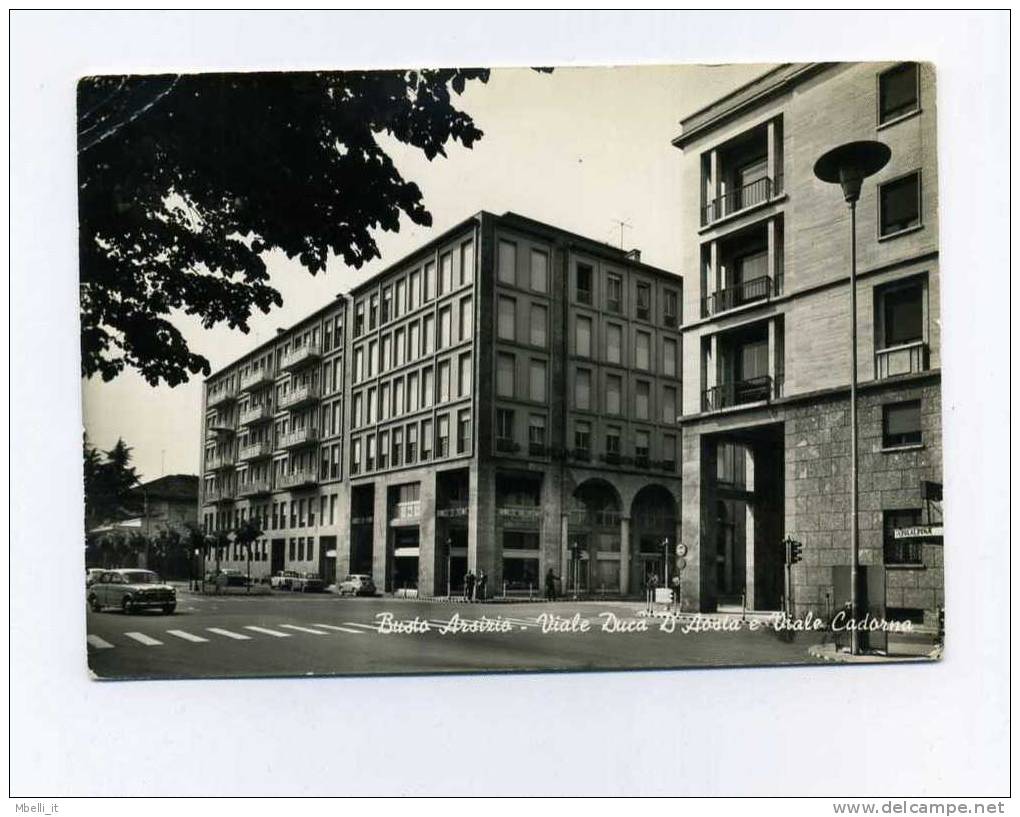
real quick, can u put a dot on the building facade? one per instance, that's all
(766, 254)
(504, 400)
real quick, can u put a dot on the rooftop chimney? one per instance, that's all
(634, 255)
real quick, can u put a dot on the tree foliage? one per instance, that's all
(185, 181)
(109, 478)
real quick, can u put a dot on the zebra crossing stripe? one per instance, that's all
(228, 634)
(99, 643)
(267, 631)
(197, 639)
(142, 638)
(303, 629)
(341, 629)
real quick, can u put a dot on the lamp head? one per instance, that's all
(850, 164)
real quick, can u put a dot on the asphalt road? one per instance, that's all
(293, 635)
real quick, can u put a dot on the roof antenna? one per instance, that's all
(622, 225)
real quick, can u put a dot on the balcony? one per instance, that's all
(261, 487)
(742, 198)
(737, 393)
(221, 396)
(216, 496)
(219, 461)
(303, 355)
(256, 380)
(256, 451)
(910, 358)
(262, 413)
(581, 454)
(505, 445)
(221, 426)
(746, 292)
(300, 397)
(305, 478)
(302, 436)
(537, 449)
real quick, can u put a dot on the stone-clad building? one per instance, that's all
(504, 400)
(766, 437)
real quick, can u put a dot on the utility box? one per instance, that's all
(870, 604)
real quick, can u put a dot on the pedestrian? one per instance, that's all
(550, 585)
(469, 586)
(651, 583)
(676, 592)
(483, 583)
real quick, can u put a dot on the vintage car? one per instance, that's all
(130, 589)
(284, 579)
(308, 583)
(357, 584)
(92, 575)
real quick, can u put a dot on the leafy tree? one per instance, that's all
(109, 478)
(246, 535)
(185, 181)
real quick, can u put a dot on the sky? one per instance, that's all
(580, 148)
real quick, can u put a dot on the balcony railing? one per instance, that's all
(904, 552)
(256, 451)
(221, 396)
(302, 436)
(507, 446)
(256, 380)
(299, 479)
(909, 358)
(746, 292)
(300, 396)
(222, 426)
(299, 357)
(538, 449)
(750, 195)
(737, 393)
(260, 487)
(256, 414)
(217, 495)
(409, 509)
(224, 459)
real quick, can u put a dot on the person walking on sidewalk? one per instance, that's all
(676, 592)
(651, 584)
(469, 586)
(483, 583)
(550, 585)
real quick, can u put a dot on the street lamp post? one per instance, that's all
(848, 166)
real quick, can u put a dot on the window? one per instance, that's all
(582, 390)
(445, 327)
(429, 274)
(504, 430)
(445, 272)
(536, 435)
(384, 401)
(505, 375)
(901, 424)
(902, 315)
(464, 378)
(463, 431)
(539, 271)
(429, 328)
(467, 262)
(669, 357)
(899, 204)
(466, 317)
(538, 325)
(670, 307)
(387, 304)
(641, 447)
(359, 363)
(644, 302)
(507, 263)
(399, 298)
(370, 406)
(413, 290)
(443, 436)
(413, 341)
(412, 443)
(399, 348)
(641, 395)
(373, 311)
(614, 388)
(642, 350)
(373, 357)
(902, 551)
(507, 318)
(356, 456)
(537, 381)
(384, 449)
(668, 405)
(613, 441)
(582, 339)
(614, 343)
(398, 446)
(582, 439)
(369, 452)
(669, 452)
(614, 293)
(584, 278)
(386, 353)
(428, 393)
(444, 381)
(412, 391)
(897, 92)
(359, 320)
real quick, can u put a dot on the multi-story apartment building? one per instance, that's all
(511, 407)
(766, 435)
(272, 445)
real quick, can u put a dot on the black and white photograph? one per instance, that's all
(541, 369)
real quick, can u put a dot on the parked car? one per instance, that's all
(130, 590)
(357, 584)
(308, 583)
(284, 579)
(93, 574)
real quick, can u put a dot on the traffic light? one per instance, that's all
(793, 550)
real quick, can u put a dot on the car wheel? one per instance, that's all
(125, 605)
(168, 609)
(94, 604)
